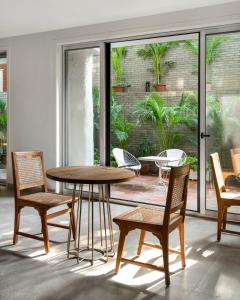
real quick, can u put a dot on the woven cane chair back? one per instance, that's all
(177, 192)
(28, 170)
(217, 174)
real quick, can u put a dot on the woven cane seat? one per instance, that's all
(147, 216)
(46, 199)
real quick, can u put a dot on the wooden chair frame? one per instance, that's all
(41, 207)
(161, 231)
(223, 200)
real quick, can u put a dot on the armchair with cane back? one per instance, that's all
(28, 173)
(159, 222)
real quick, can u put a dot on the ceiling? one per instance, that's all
(31, 16)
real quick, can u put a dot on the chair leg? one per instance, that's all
(225, 218)
(16, 223)
(164, 242)
(219, 227)
(182, 246)
(43, 216)
(141, 241)
(73, 221)
(122, 237)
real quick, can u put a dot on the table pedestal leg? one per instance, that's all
(70, 224)
(104, 215)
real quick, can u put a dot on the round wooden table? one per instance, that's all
(102, 177)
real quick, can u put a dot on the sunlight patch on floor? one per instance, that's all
(208, 253)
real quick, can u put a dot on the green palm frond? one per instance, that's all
(118, 56)
(3, 120)
(122, 128)
(156, 53)
(212, 47)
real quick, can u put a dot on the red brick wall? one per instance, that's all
(4, 68)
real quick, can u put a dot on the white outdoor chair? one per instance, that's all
(126, 160)
(179, 157)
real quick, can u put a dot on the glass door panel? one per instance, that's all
(82, 106)
(222, 110)
(154, 107)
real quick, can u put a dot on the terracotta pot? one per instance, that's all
(118, 89)
(145, 168)
(160, 87)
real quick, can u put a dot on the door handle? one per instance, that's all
(203, 135)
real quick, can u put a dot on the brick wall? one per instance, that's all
(179, 79)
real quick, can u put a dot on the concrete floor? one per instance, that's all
(212, 272)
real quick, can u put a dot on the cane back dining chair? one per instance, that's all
(225, 199)
(159, 222)
(28, 173)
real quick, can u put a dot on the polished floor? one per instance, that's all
(212, 272)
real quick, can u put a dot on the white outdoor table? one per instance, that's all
(161, 160)
(158, 159)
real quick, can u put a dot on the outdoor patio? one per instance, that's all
(146, 189)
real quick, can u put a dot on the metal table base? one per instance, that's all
(105, 225)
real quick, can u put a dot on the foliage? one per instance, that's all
(118, 56)
(120, 125)
(156, 53)
(168, 119)
(96, 106)
(189, 105)
(3, 121)
(96, 122)
(212, 45)
(222, 124)
(145, 148)
(193, 162)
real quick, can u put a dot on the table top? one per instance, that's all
(90, 174)
(158, 158)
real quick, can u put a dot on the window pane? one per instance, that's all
(154, 108)
(222, 110)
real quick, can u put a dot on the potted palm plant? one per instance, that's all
(156, 53)
(118, 56)
(193, 163)
(212, 47)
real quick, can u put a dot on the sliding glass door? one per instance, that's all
(154, 98)
(222, 110)
(154, 108)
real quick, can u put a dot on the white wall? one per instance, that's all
(33, 70)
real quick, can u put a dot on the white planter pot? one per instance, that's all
(193, 175)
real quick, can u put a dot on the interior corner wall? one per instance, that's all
(32, 65)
